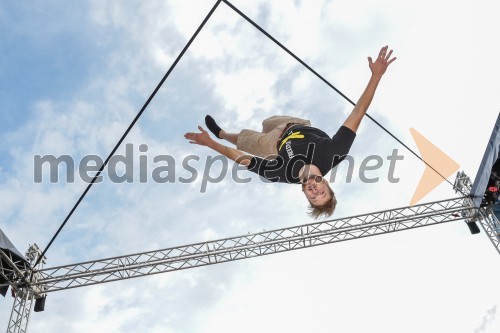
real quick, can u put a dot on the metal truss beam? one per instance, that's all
(251, 245)
(25, 291)
(20, 315)
(13, 270)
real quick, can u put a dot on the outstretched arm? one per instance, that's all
(205, 140)
(378, 69)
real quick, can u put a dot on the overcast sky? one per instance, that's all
(74, 75)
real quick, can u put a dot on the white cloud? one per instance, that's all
(487, 319)
(245, 91)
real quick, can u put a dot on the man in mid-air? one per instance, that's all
(289, 150)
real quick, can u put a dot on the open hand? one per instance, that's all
(199, 138)
(383, 61)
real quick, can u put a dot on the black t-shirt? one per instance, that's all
(304, 145)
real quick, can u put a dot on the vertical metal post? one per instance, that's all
(21, 310)
(23, 297)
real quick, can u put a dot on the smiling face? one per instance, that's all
(316, 190)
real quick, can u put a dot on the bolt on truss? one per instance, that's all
(251, 245)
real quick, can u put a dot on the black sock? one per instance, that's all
(212, 126)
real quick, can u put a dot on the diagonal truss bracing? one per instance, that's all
(252, 245)
(20, 315)
(12, 268)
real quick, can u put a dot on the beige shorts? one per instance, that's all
(264, 144)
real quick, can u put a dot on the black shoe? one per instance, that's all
(212, 126)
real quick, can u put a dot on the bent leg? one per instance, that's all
(262, 144)
(231, 137)
(274, 122)
(265, 144)
(255, 143)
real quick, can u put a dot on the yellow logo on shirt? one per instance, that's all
(294, 135)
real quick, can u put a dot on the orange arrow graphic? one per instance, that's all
(436, 158)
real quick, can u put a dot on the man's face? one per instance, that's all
(316, 190)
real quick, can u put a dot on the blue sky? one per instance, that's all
(41, 47)
(75, 74)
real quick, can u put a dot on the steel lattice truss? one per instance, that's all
(20, 315)
(12, 267)
(251, 245)
(25, 286)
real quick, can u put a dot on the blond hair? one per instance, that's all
(324, 210)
